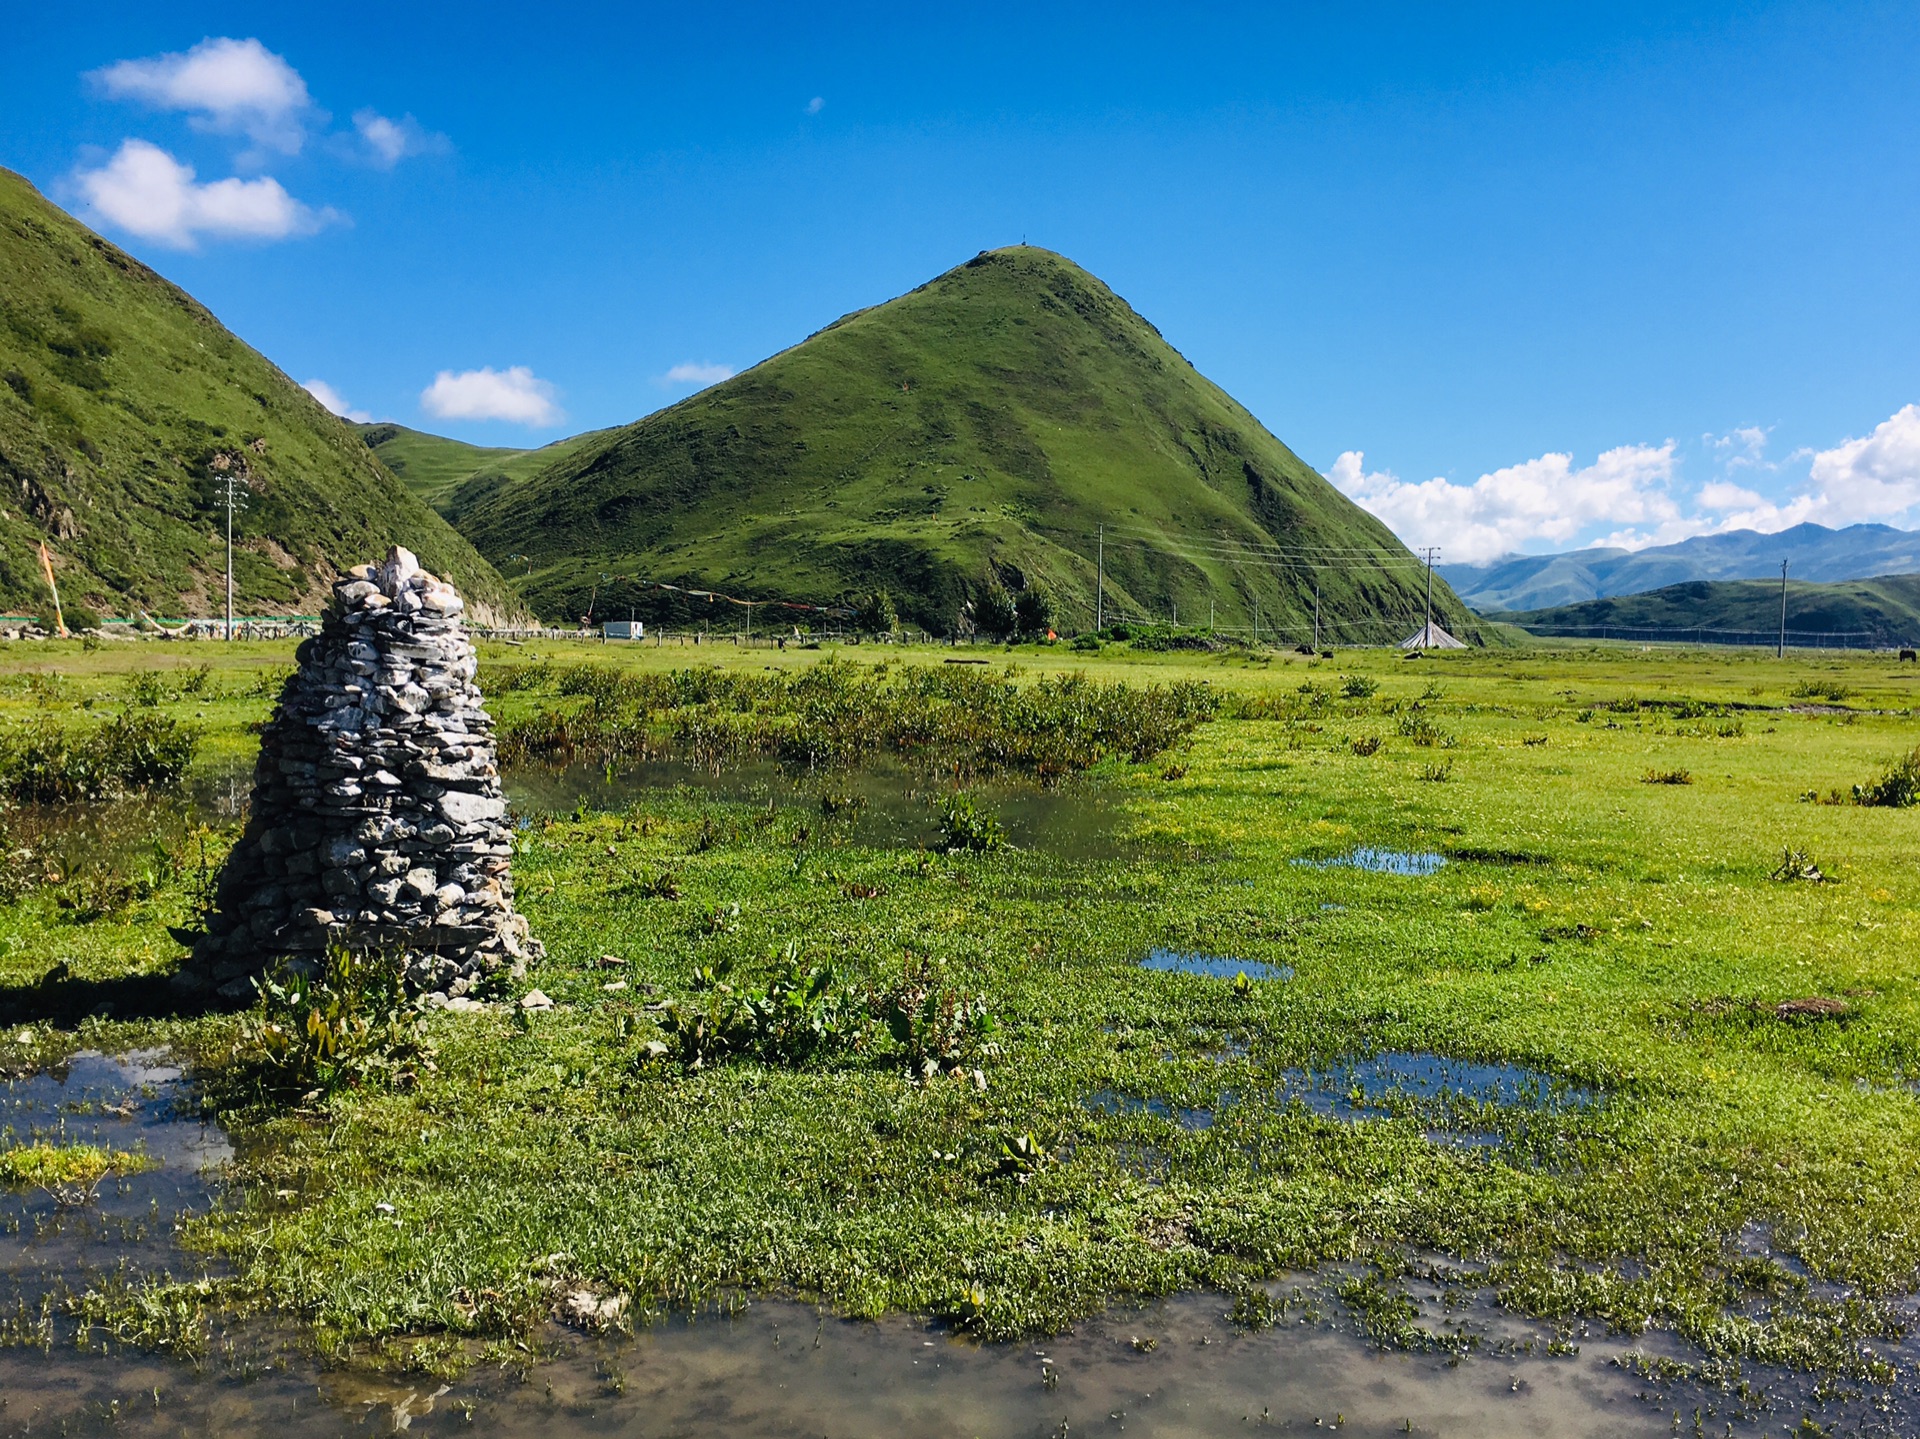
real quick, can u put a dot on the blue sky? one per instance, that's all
(1516, 277)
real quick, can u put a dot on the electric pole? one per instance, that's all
(230, 493)
(1781, 652)
(1426, 635)
(1100, 582)
(1316, 612)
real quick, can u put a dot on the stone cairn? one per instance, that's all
(377, 816)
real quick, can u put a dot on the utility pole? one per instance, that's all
(1256, 621)
(1316, 612)
(1100, 582)
(1210, 614)
(1426, 635)
(1781, 652)
(230, 487)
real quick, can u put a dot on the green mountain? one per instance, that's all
(1862, 613)
(978, 431)
(452, 475)
(124, 406)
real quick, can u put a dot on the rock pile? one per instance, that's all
(377, 814)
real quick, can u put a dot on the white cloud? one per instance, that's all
(228, 86)
(387, 142)
(692, 372)
(1725, 495)
(816, 105)
(488, 394)
(1544, 499)
(146, 192)
(333, 400)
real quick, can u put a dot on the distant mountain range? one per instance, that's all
(1813, 552)
(1860, 614)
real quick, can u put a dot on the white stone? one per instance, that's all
(400, 566)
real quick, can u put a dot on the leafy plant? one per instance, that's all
(346, 1024)
(1667, 776)
(1897, 787)
(46, 762)
(1365, 745)
(1359, 687)
(876, 615)
(934, 1025)
(1798, 865)
(965, 826)
(801, 1014)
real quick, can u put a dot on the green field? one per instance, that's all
(1714, 1164)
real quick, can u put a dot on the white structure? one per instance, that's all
(1431, 637)
(624, 630)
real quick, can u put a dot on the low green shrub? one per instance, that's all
(965, 826)
(46, 762)
(348, 1024)
(1897, 787)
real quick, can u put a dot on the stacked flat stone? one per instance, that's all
(377, 816)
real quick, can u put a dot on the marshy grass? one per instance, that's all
(964, 723)
(1575, 930)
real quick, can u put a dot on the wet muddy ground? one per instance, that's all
(1177, 1367)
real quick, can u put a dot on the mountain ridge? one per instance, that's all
(977, 431)
(125, 404)
(1880, 612)
(1814, 552)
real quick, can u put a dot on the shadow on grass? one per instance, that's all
(60, 998)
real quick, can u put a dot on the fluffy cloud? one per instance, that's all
(146, 192)
(333, 400)
(488, 394)
(690, 372)
(228, 86)
(387, 142)
(816, 105)
(1545, 499)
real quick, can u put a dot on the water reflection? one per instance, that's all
(1352, 1088)
(1379, 861)
(885, 805)
(1175, 1368)
(1176, 961)
(136, 1102)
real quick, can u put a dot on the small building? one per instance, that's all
(624, 630)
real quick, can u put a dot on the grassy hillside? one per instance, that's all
(1533, 582)
(452, 475)
(1883, 611)
(978, 430)
(124, 402)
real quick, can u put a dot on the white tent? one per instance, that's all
(1431, 637)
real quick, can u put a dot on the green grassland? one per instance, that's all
(978, 430)
(123, 403)
(1745, 1180)
(452, 475)
(1883, 611)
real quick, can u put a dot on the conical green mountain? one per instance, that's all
(125, 404)
(980, 430)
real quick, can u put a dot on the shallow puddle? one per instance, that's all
(1179, 961)
(1379, 861)
(1352, 1088)
(139, 1103)
(885, 805)
(1176, 1368)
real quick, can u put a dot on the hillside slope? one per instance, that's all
(1867, 613)
(1531, 582)
(123, 403)
(452, 475)
(979, 430)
